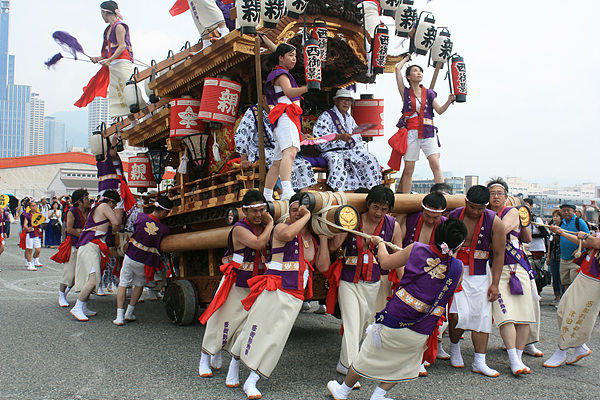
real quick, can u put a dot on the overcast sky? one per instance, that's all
(520, 58)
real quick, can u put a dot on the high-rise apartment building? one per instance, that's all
(54, 136)
(4, 57)
(97, 114)
(36, 125)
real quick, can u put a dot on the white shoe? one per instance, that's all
(216, 361)
(335, 389)
(62, 300)
(483, 369)
(101, 291)
(111, 287)
(305, 306)
(422, 371)
(441, 354)
(558, 358)
(31, 268)
(322, 309)
(119, 321)
(341, 369)
(88, 312)
(129, 318)
(578, 354)
(78, 314)
(533, 351)
(251, 391)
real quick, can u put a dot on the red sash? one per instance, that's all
(104, 253)
(293, 110)
(473, 241)
(270, 282)
(430, 353)
(367, 270)
(230, 276)
(416, 123)
(333, 278)
(96, 87)
(399, 146)
(126, 195)
(63, 255)
(22, 236)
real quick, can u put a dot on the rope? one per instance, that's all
(285, 213)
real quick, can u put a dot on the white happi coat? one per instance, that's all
(350, 165)
(246, 142)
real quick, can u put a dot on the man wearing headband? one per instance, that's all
(393, 347)
(246, 144)
(276, 297)
(245, 258)
(513, 312)
(359, 272)
(92, 251)
(350, 165)
(142, 257)
(471, 308)
(420, 227)
(67, 251)
(33, 244)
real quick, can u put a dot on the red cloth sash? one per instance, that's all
(271, 282)
(22, 236)
(418, 231)
(398, 143)
(230, 275)
(473, 241)
(367, 270)
(104, 253)
(333, 277)
(126, 195)
(63, 255)
(179, 7)
(430, 353)
(96, 87)
(418, 124)
(293, 110)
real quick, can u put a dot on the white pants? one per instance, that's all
(206, 15)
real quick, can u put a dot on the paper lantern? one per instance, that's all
(312, 64)
(184, 118)
(405, 17)
(425, 33)
(458, 71)
(248, 15)
(158, 160)
(381, 40)
(319, 33)
(197, 146)
(442, 48)
(220, 101)
(140, 172)
(368, 110)
(388, 7)
(295, 8)
(133, 95)
(151, 93)
(98, 145)
(271, 12)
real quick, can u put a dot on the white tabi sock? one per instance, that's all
(526, 369)
(379, 394)
(78, 305)
(481, 367)
(515, 363)
(129, 312)
(345, 389)
(216, 361)
(557, 359)
(120, 313)
(268, 193)
(250, 386)
(62, 299)
(36, 262)
(456, 359)
(288, 191)
(204, 367)
(233, 374)
(223, 30)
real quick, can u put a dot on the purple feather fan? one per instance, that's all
(53, 60)
(69, 43)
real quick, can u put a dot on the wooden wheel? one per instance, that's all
(181, 302)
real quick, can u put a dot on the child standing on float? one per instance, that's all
(283, 95)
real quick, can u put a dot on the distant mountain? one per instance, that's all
(76, 126)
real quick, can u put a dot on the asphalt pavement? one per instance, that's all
(46, 354)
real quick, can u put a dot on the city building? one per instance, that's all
(36, 126)
(54, 136)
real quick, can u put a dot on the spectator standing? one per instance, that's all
(54, 226)
(44, 209)
(553, 258)
(570, 223)
(537, 246)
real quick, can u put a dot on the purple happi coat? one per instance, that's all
(77, 224)
(110, 43)
(272, 96)
(412, 222)
(148, 232)
(89, 230)
(108, 176)
(429, 131)
(353, 268)
(252, 262)
(484, 241)
(291, 278)
(36, 229)
(426, 287)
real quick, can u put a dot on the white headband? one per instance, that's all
(296, 201)
(432, 209)
(477, 204)
(255, 205)
(158, 205)
(498, 184)
(117, 12)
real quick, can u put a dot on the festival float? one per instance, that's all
(197, 98)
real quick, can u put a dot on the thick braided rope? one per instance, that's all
(319, 223)
(285, 213)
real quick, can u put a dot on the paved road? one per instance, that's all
(46, 354)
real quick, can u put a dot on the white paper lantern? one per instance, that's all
(295, 8)
(405, 17)
(133, 97)
(388, 7)
(425, 33)
(442, 48)
(248, 15)
(271, 12)
(98, 144)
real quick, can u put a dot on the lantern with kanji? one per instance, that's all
(140, 172)
(405, 17)
(220, 101)
(248, 15)
(271, 12)
(312, 64)
(458, 72)
(295, 8)
(369, 111)
(320, 34)
(425, 33)
(381, 40)
(388, 7)
(184, 118)
(441, 49)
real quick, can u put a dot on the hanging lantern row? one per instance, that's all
(380, 43)
(405, 17)
(442, 48)
(388, 7)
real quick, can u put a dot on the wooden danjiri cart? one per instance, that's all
(211, 191)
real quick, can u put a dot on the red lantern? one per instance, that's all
(368, 110)
(312, 64)
(320, 34)
(381, 40)
(458, 70)
(220, 101)
(140, 172)
(184, 118)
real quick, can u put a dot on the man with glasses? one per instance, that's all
(471, 308)
(350, 165)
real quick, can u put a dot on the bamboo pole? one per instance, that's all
(435, 75)
(262, 171)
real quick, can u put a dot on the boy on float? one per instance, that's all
(393, 348)
(283, 95)
(245, 259)
(143, 250)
